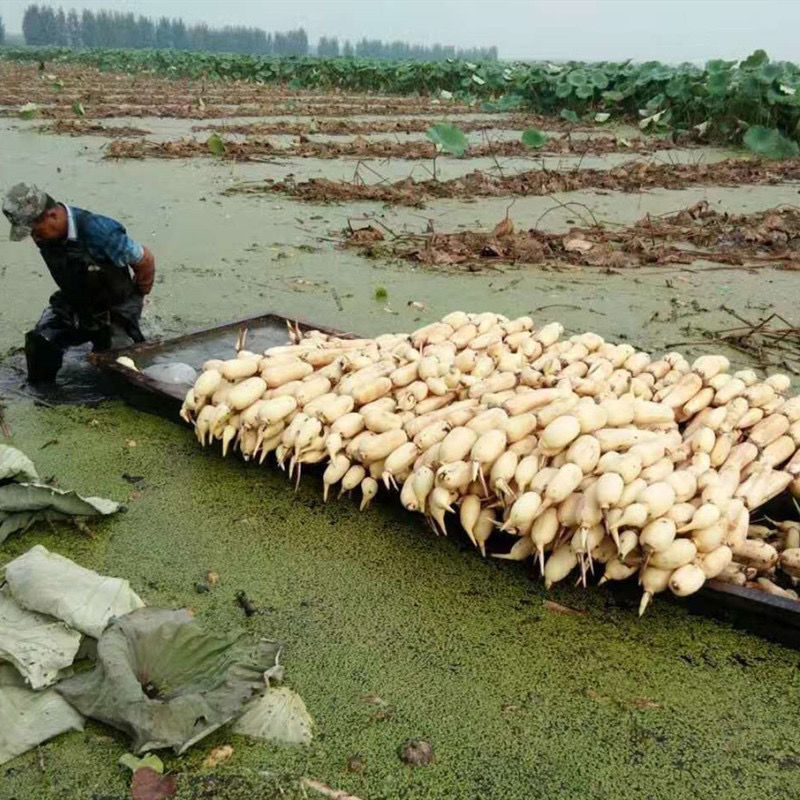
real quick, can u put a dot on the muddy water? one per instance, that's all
(222, 258)
(166, 128)
(377, 170)
(373, 171)
(171, 127)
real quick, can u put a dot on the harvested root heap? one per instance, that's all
(599, 459)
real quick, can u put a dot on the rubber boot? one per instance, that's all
(44, 359)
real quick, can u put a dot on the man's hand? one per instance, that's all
(144, 272)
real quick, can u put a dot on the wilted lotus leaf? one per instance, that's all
(168, 683)
(23, 504)
(37, 645)
(27, 717)
(279, 716)
(24, 500)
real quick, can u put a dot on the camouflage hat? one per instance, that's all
(23, 205)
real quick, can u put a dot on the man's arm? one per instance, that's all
(144, 271)
(110, 240)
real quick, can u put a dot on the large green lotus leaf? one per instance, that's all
(756, 59)
(534, 139)
(51, 584)
(448, 139)
(578, 77)
(215, 145)
(28, 718)
(718, 82)
(770, 143)
(37, 645)
(563, 90)
(23, 504)
(168, 683)
(279, 716)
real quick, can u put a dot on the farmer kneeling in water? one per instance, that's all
(101, 273)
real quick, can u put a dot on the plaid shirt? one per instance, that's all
(104, 238)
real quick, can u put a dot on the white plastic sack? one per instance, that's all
(175, 372)
(28, 718)
(51, 584)
(37, 645)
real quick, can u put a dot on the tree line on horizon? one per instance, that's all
(401, 51)
(43, 25)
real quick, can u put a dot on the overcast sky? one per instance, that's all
(668, 30)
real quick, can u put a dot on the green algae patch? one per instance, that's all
(391, 634)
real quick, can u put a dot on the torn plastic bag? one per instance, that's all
(168, 683)
(51, 584)
(37, 645)
(28, 718)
